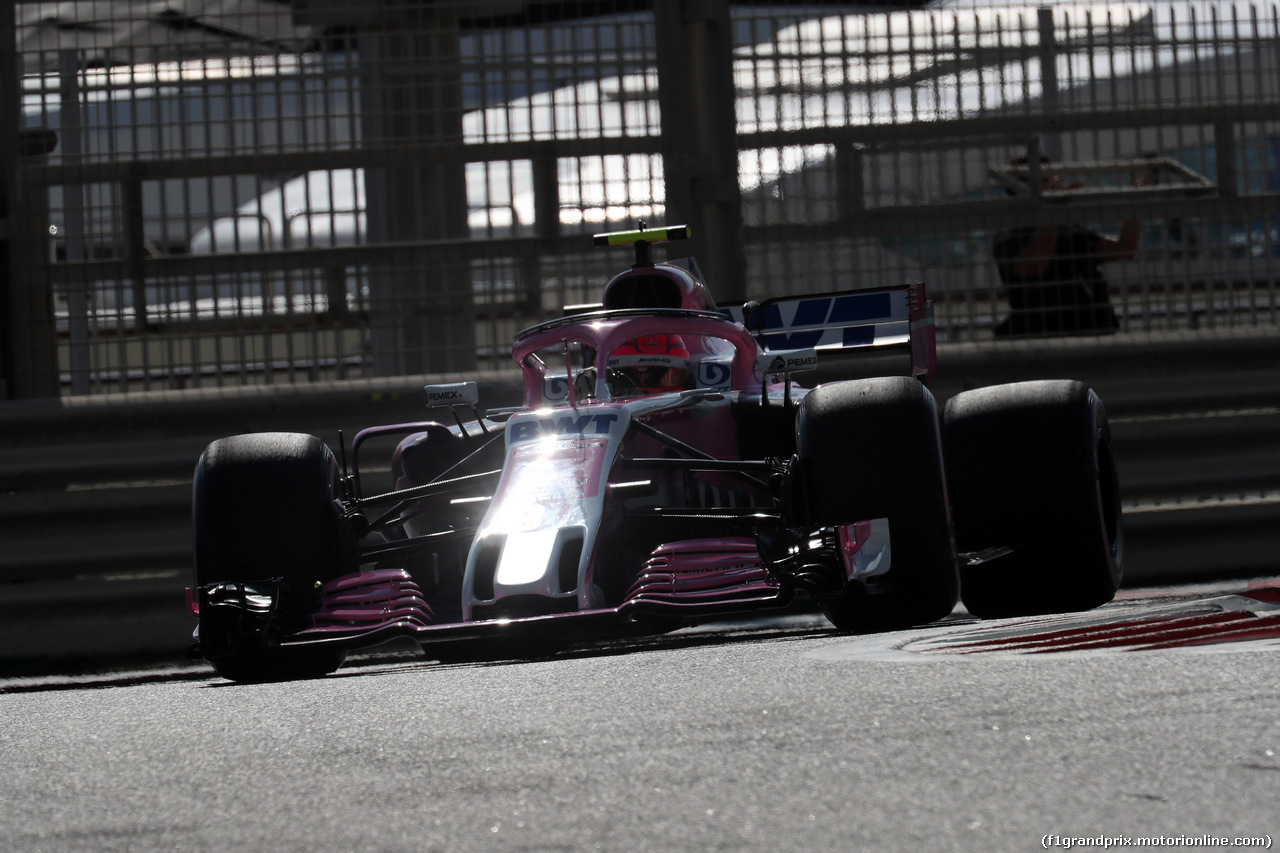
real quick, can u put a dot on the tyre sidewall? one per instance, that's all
(263, 506)
(1030, 467)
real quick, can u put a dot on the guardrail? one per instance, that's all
(95, 492)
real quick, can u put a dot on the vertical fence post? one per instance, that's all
(1049, 78)
(73, 222)
(546, 216)
(1224, 147)
(700, 140)
(10, 257)
(424, 318)
(850, 187)
(135, 246)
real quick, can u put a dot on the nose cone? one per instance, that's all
(527, 573)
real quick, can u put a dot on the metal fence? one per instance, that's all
(206, 194)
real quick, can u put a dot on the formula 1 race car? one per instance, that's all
(665, 467)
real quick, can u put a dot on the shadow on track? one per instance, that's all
(163, 674)
(488, 653)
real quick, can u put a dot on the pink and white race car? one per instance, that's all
(665, 466)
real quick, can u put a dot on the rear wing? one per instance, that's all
(848, 322)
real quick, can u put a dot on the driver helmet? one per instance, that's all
(654, 363)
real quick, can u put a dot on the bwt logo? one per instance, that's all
(528, 430)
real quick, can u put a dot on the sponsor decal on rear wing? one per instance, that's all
(847, 322)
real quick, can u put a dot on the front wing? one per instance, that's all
(681, 581)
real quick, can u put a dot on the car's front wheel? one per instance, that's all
(267, 532)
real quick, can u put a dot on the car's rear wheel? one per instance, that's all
(266, 533)
(1036, 498)
(871, 449)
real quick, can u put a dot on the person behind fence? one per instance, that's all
(1052, 275)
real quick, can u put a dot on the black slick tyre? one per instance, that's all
(265, 523)
(869, 449)
(1035, 498)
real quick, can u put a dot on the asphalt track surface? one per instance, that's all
(772, 736)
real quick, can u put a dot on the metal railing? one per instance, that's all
(362, 193)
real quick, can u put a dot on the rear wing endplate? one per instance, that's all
(847, 323)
